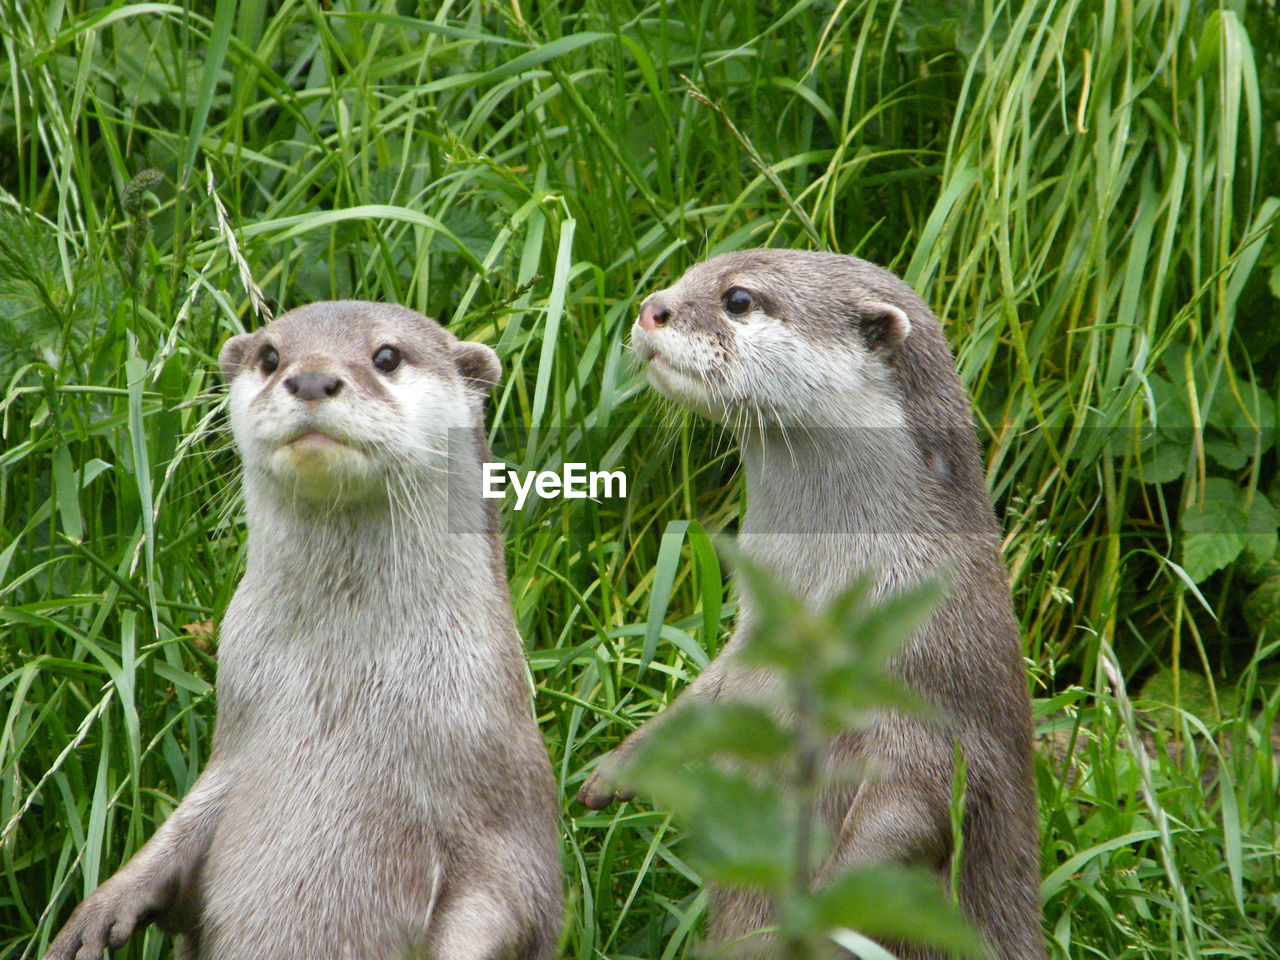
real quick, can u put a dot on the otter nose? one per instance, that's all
(313, 386)
(653, 316)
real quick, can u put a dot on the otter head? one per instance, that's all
(787, 337)
(332, 402)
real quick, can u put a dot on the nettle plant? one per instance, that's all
(1211, 431)
(744, 778)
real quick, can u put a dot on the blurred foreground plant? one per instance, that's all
(745, 777)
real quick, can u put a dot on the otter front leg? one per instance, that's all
(476, 926)
(601, 788)
(902, 812)
(152, 885)
(483, 919)
(736, 921)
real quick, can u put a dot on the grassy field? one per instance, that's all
(1085, 190)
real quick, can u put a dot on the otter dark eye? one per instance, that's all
(737, 301)
(268, 360)
(387, 359)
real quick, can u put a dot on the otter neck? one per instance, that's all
(393, 555)
(825, 504)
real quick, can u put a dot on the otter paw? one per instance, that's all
(601, 788)
(98, 923)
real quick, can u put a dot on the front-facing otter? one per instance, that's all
(859, 454)
(377, 786)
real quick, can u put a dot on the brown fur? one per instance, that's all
(859, 453)
(377, 789)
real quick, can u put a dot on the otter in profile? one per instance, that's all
(377, 788)
(859, 453)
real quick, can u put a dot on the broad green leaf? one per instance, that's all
(700, 733)
(896, 903)
(1213, 530)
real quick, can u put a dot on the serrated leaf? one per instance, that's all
(1164, 460)
(1213, 530)
(894, 620)
(1238, 425)
(1204, 554)
(469, 228)
(783, 606)
(1171, 410)
(1225, 451)
(1267, 570)
(736, 823)
(852, 694)
(1262, 605)
(1261, 538)
(892, 902)
(697, 732)
(1165, 447)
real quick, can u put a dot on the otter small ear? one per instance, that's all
(884, 326)
(478, 365)
(232, 355)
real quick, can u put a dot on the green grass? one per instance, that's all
(1084, 191)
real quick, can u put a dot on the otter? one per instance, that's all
(860, 455)
(377, 787)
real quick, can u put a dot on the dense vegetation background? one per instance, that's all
(1085, 190)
